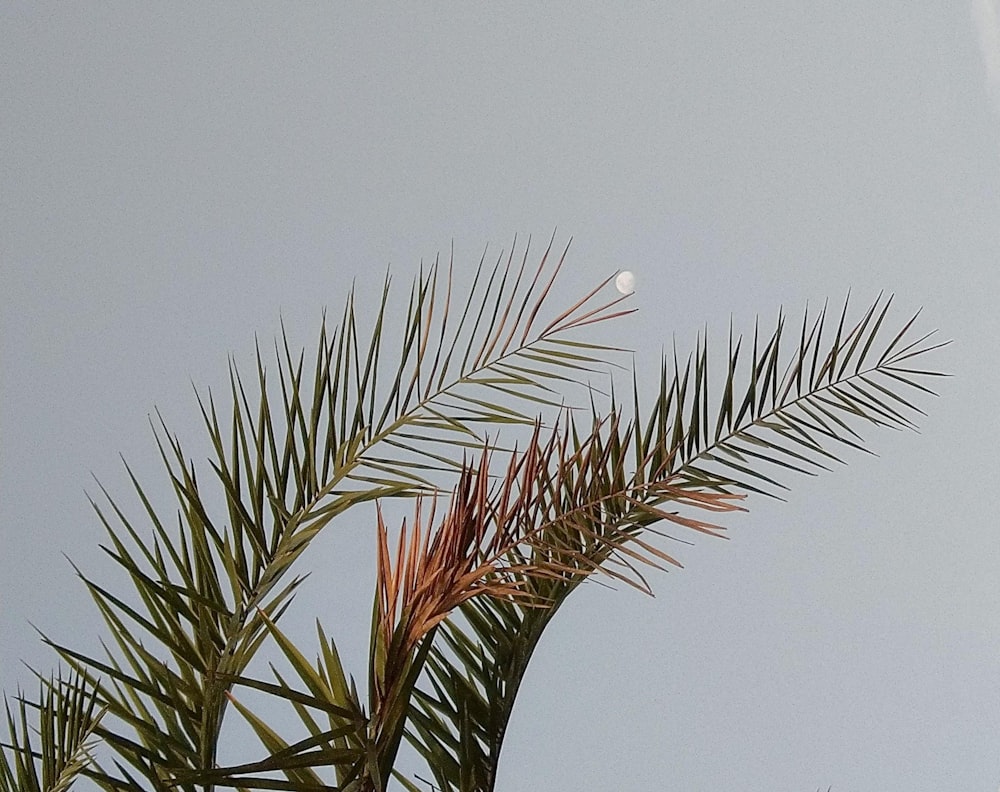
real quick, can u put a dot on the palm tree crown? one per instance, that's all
(501, 533)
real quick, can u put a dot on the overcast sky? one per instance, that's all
(175, 178)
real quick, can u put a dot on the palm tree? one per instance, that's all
(502, 531)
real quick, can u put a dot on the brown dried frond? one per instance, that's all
(561, 509)
(436, 570)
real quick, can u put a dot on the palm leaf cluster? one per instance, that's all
(501, 533)
(51, 737)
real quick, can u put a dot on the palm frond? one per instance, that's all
(690, 452)
(293, 455)
(803, 402)
(67, 715)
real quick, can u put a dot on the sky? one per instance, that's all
(178, 179)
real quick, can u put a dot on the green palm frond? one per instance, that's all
(804, 400)
(788, 414)
(67, 715)
(340, 741)
(284, 466)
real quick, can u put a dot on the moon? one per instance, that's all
(625, 282)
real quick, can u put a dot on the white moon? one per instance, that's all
(625, 282)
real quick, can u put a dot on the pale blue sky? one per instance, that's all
(175, 178)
